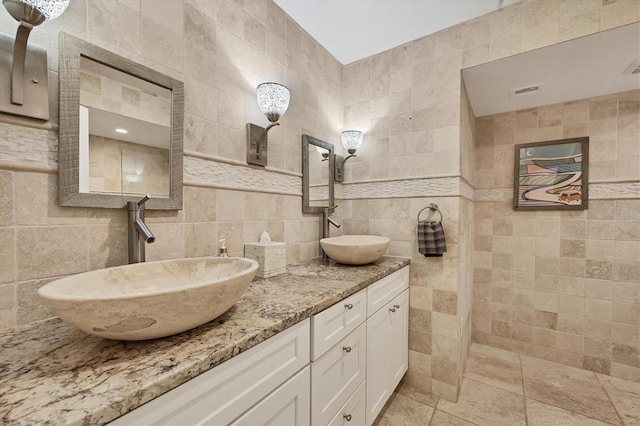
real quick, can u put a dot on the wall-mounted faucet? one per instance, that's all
(326, 220)
(139, 233)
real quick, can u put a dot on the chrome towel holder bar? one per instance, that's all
(434, 208)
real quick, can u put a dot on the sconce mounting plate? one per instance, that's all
(254, 137)
(36, 81)
(339, 165)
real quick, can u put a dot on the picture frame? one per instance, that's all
(552, 175)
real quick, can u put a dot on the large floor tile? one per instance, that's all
(541, 414)
(625, 396)
(486, 405)
(566, 387)
(440, 418)
(413, 393)
(494, 352)
(495, 367)
(405, 411)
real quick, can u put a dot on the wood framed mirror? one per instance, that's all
(121, 130)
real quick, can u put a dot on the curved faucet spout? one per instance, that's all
(139, 232)
(144, 231)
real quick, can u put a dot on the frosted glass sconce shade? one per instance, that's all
(273, 100)
(352, 140)
(30, 9)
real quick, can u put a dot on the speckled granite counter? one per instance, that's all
(53, 374)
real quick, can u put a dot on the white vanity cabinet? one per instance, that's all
(387, 339)
(337, 368)
(255, 387)
(369, 333)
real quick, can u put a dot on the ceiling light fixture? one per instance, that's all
(351, 140)
(273, 100)
(17, 68)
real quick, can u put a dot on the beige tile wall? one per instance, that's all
(407, 100)
(221, 49)
(562, 285)
(410, 102)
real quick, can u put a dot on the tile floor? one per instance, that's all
(505, 388)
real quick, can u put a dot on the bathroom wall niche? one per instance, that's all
(121, 130)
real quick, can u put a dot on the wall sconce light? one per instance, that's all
(273, 100)
(351, 140)
(24, 86)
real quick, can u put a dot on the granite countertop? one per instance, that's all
(53, 374)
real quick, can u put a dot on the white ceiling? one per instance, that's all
(104, 123)
(355, 29)
(586, 67)
(595, 65)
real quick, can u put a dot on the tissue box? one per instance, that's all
(271, 258)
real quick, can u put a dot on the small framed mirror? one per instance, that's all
(121, 130)
(318, 161)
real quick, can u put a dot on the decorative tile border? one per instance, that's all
(28, 146)
(214, 174)
(597, 191)
(614, 190)
(404, 188)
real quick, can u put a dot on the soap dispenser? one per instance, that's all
(222, 251)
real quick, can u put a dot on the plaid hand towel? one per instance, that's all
(431, 242)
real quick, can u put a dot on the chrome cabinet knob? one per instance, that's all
(348, 305)
(347, 349)
(396, 306)
(347, 417)
(392, 309)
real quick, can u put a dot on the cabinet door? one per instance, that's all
(377, 362)
(398, 338)
(223, 393)
(289, 405)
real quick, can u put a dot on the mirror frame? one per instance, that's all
(71, 49)
(306, 141)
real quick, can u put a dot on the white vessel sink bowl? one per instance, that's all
(149, 300)
(355, 249)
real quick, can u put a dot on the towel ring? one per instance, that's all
(434, 208)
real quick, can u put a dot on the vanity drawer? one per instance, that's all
(352, 413)
(333, 324)
(337, 375)
(381, 293)
(220, 395)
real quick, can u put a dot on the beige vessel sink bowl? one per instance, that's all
(149, 300)
(355, 249)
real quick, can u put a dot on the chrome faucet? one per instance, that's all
(326, 220)
(139, 233)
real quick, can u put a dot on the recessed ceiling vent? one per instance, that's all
(528, 90)
(633, 68)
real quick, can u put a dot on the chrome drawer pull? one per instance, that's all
(348, 305)
(396, 306)
(392, 309)
(347, 417)
(347, 349)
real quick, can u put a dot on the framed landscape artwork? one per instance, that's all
(551, 175)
